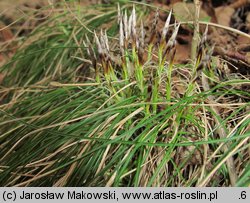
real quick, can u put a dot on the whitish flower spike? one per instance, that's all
(121, 36)
(166, 26)
(125, 23)
(156, 20)
(106, 40)
(118, 13)
(204, 36)
(102, 40)
(142, 34)
(130, 24)
(133, 28)
(98, 44)
(90, 47)
(171, 41)
(134, 16)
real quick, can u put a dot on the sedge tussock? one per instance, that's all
(111, 107)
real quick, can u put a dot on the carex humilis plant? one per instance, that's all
(138, 118)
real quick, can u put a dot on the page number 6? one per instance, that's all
(243, 195)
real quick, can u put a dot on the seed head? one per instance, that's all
(119, 17)
(133, 28)
(172, 41)
(155, 22)
(98, 44)
(121, 36)
(142, 35)
(130, 25)
(90, 52)
(125, 23)
(134, 16)
(204, 37)
(90, 46)
(106, 40)
(166, 26)
(102, 40)
(153, 29)
(202, 46)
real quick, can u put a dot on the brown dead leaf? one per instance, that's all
(182, 53)
(248, 57)
(239, 3)
(1, 78)
(248, 21)
(6, 34)
(243, 42)
(224, 15)
(186, 12)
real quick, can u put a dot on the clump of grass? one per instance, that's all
(53, 49)
(134, 64)
(140, 120)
